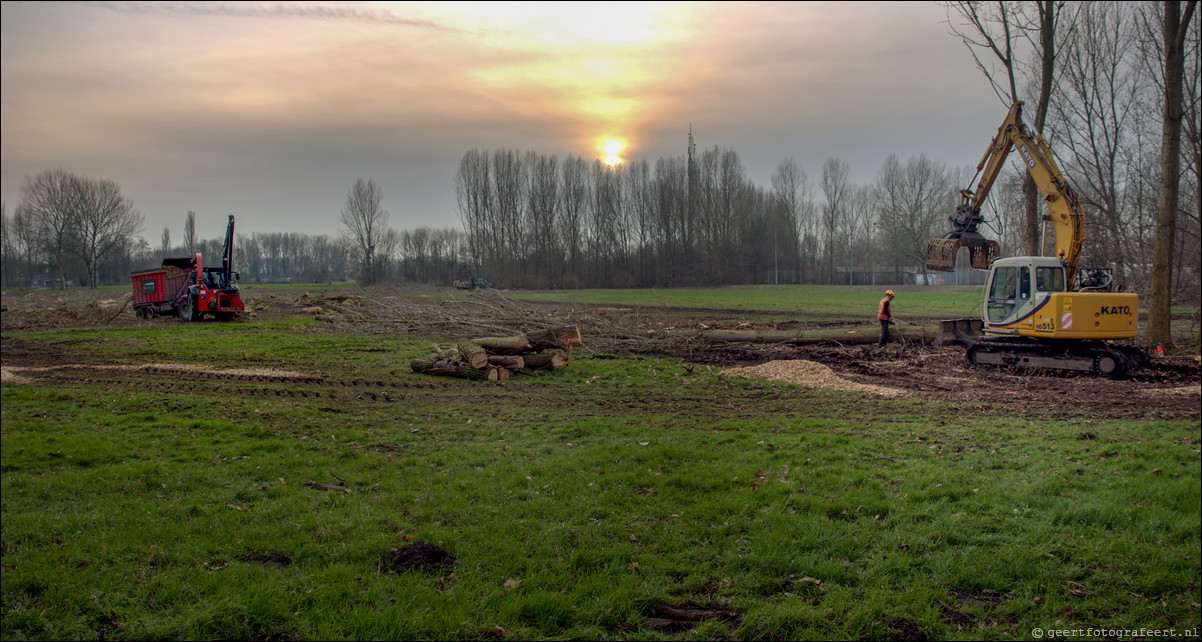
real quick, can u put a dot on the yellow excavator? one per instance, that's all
(1039, 312)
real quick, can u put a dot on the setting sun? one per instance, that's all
(611, 149)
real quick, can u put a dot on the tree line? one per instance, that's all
(533, 220)
(70, 230)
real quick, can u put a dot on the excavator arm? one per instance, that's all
(1064, 208)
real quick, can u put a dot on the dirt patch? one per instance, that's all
(903, 629)
(1168, 389)
(418, 556)
(267, 559)
(986, 599)
(807, 373)
(672, 619)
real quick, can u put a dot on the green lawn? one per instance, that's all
(817, 300)
(163, 506)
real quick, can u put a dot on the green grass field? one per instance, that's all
(175, 506)
(815, 300)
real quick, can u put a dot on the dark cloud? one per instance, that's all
(339, 12)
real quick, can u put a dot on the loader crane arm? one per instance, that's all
(227, 254)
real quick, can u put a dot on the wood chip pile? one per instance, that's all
(498, 358)
(809, 374)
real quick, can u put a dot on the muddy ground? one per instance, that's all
(1169, 389)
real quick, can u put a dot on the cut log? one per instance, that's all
(504, 345)
(448, 369)
(510, 362)
(563, 338)
(545, 340)
(489, 373)
(422, 365)
(445, 368)
(916, 335)
(472, 354)
(552, 360)
(570, 336)
(502, 373)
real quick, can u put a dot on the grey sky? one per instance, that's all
(270, 111)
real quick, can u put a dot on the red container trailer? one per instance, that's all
(175, 288)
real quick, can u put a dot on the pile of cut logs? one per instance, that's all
(497, 358)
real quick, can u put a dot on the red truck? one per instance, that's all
(187, 288)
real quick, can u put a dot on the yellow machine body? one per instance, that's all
(1026, 296)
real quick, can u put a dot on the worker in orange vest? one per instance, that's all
(884, 314)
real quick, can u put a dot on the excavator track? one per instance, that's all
(1099, 358)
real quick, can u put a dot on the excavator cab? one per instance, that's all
(1016, 289)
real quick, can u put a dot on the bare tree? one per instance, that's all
(10, 259)
(642, 203)
(544, 197)
(1176, 25)
(911, 201)
(835, 188)
(366, 229)
(855, 225)
(730, 213)
(675, 229)
(511, 184)
(571, 218)
(190, 232)
(1001, 31)
(474, 194)
(790, 185)
(1097, 101)
(50, 198)
(603, 210)
(25, 241)
(104, 220)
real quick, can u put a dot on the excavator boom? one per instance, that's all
(1064, 208)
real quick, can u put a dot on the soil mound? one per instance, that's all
(418, 556)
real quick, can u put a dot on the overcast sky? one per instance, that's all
(271, 111)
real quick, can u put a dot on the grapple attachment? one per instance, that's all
(941, 253)
(959, 332)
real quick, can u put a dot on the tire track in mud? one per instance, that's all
(207, 381)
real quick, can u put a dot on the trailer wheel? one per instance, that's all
(187, 309)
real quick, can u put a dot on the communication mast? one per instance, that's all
(692, 169)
